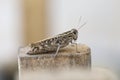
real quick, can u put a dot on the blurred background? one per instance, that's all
(26, 21)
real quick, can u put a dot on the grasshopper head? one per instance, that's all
(75, 34)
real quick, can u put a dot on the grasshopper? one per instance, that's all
(54, 43)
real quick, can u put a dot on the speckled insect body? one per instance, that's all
(55, 43)
(52, 44)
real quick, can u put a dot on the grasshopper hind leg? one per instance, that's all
(58, 48)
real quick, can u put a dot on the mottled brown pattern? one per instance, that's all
(52, 44)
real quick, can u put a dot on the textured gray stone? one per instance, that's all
(73, 56)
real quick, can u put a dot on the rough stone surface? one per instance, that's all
(73, 56)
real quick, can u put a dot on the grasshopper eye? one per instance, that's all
(74, 31)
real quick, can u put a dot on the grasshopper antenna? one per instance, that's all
(82, 26)
(79, 23)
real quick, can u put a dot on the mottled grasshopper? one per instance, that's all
(54, 43)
